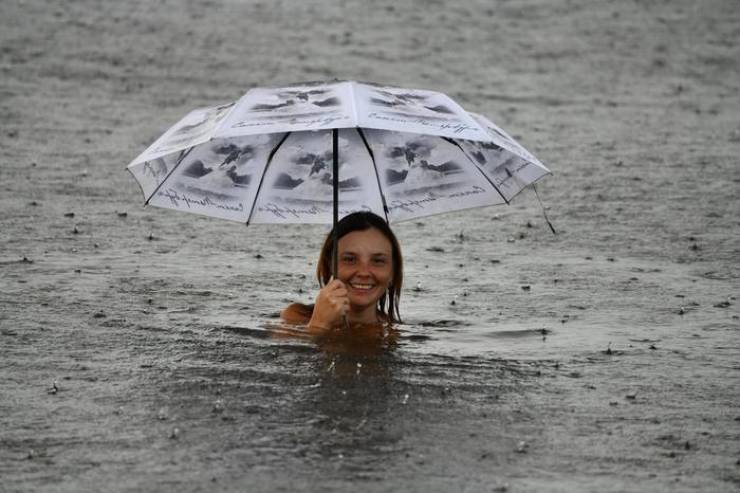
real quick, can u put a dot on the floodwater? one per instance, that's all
(138, 346)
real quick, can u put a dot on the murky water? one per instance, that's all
(138, 349)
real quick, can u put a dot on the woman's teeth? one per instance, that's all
(362, 286)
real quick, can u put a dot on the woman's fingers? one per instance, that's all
(336, 289)
(332, 303)
(336, 284)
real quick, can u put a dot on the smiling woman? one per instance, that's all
(370, 275)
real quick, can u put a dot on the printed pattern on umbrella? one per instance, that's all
(424, 175)
(196, 127)
(291, 109)
(219, 178)
(298, 184)
(413, 111)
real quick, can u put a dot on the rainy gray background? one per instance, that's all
(135, 344)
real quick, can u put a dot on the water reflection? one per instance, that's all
(273, 395)
(360, 405)
(355, 402)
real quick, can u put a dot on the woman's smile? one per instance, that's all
(359, 291)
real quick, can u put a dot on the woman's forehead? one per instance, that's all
(369, 240)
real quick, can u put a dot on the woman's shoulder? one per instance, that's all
(297, 313)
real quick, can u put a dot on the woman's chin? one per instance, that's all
(361, 303)
(363, 297)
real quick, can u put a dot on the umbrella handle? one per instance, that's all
(335, 199)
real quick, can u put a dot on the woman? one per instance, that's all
(368, 285)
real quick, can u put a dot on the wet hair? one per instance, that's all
(362, 221)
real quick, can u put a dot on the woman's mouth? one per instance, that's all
(362, 286)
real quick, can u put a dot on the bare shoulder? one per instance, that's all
(297, 313)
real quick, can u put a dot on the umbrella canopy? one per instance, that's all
(310, 153)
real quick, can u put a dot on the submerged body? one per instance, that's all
(357, 338)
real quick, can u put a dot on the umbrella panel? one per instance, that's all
(297, 186)
(218, 178)
(422, 175)
(508, 172)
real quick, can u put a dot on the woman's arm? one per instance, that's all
(297, 313)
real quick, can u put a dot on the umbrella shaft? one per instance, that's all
(335, 187)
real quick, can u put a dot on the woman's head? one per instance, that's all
(370, 262)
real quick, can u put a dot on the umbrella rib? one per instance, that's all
(452, 141)
(262, 178)
(375, 168)
(179, 160)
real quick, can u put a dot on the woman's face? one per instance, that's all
(365, 266)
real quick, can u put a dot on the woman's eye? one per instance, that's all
(379, 261)
(348, 259)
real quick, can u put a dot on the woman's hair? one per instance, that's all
(362, 221)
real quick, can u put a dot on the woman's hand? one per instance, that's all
(332, 304)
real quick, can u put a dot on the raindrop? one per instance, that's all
(54, 387)
(218, 406)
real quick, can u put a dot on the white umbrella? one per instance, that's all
(311, 153)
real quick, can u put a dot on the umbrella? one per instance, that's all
(312, 152)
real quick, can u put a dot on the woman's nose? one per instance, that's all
(363, 267)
